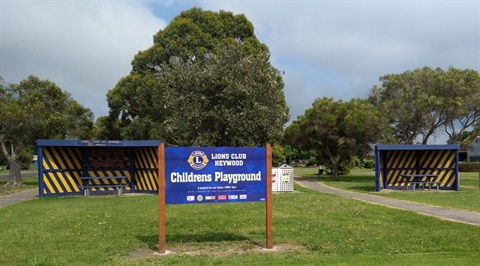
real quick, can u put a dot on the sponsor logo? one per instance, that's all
(209, 197)
(243, 196)
(232, 196)
(199, 197)
(197, 160)
(222, 197)
(190, 198)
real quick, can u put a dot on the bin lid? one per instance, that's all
(286, 166)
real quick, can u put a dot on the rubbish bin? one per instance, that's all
(282, 178)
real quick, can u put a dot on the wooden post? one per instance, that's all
(161, 198)
(269, 222)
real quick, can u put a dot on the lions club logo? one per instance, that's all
(197, 160)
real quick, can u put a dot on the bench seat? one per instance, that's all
(423, 183)
(88, 184)
(437, 184)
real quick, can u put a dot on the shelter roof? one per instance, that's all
(393, 147)
(98, 143)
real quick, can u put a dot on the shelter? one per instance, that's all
(393, 161)
(63, 164)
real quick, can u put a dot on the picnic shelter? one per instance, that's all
(76, 167)
(409, 166)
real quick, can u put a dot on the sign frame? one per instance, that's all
(162, 198)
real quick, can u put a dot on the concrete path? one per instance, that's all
(460, 216)
(17, 197)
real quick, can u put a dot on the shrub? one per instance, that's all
(311, 162)
(368, 164)
(469, 167)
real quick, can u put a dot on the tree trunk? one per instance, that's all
(335, 166)
(15, 178)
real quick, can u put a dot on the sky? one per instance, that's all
(326, 48)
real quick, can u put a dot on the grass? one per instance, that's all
(363, 180)
(309, 228)
(28, 183)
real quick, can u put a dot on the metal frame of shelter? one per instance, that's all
(62, 163)
(393, 161)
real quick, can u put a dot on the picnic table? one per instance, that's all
(416, 180)
(88, 182)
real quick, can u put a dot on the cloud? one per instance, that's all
(335, 49)
(340, 49)
(84, 47)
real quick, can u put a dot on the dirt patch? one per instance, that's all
(214, 250)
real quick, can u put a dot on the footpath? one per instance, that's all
(18, 197)
(460, 216)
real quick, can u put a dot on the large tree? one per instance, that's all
(338, 130)
(206, 80)
(36, 109)
(422, 101)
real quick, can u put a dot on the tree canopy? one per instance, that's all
(36, 109)
(206, 80)
(337, 130)
(421, 102)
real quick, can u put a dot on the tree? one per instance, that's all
(107, 128)
(338, 131)
(466, 138)
(36, 109)
(422, 101)
(461, 87)
(230, 99)
(206, 80)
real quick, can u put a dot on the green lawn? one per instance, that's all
(28, 182)
(363, 180)
(310, 228)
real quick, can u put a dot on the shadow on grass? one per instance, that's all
(152, 240)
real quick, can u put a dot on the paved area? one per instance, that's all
(460, 216)
(18, 197)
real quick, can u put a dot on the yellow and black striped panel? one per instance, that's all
(146, 174)
(61, 170)
(437, 162)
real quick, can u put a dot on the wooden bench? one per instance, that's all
(88, 183)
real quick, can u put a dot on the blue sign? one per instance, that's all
(214, 175)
